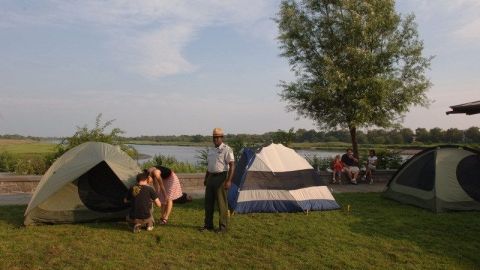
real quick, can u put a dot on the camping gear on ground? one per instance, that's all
(87, 183)
(439, 179)
(277, 179)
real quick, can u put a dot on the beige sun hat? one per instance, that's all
(217, 132)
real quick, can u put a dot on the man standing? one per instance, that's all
(220, 167)
(350, 165)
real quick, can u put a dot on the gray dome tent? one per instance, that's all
(439, 179)
(86, 183)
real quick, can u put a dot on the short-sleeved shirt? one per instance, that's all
(219, 158)
(141, 197)
(337, 165)
(372, 160)
(348, 161)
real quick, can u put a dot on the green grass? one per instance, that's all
(375, 234)
(26, 147)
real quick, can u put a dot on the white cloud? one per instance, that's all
(158, 53)
(147, 37)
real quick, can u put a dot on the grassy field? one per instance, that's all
(375, 234)
(26, 147)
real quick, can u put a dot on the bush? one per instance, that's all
(174, 164)
(31, 165)
(389, 159)
(319, 164)
(202, 156)
(7, 162)
(96, 134)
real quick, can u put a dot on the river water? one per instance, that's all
(189, 153)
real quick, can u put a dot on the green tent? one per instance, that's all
(86, 183)
(439, 179)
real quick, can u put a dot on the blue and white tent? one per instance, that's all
(277, 179)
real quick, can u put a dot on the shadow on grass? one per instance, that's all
(196, 204)
(451, 234)
(12, 214)
(122, 225)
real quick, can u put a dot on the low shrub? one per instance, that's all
(31, 165)
(7, 162)
(388, 159)
(174, 164)
(318, 163)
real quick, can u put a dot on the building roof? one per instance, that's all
(467, 108)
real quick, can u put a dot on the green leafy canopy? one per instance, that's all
(357, 63)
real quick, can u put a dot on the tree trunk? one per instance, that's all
(353, 136)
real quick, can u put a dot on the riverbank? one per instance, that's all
(297, 146)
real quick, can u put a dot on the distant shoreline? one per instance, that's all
(407, 149)
(403, 148)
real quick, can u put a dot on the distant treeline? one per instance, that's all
(19, 137)
(376, 136)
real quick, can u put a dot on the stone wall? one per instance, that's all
(191, 182)
(18, 183)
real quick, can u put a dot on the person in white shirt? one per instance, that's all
(218, 178)
(370, 166)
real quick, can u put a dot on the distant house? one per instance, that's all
(467, 108)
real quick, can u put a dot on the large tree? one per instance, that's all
(357, 63)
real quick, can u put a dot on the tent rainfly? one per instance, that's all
(277, 179)
(439, 179)
(86, 183)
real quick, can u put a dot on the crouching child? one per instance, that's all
(141, 197)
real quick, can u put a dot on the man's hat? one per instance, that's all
(217, 132)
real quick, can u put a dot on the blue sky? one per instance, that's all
(184, 67)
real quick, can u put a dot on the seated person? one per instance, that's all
(350, 166)
(370, 166)
(337, 166)
(141, 196)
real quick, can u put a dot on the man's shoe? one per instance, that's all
(205, 229)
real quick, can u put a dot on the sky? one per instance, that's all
(185, 67)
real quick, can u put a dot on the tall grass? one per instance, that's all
(174, 164)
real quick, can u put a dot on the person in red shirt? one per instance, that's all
(337, 167)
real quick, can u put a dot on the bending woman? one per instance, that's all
(167, 186)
